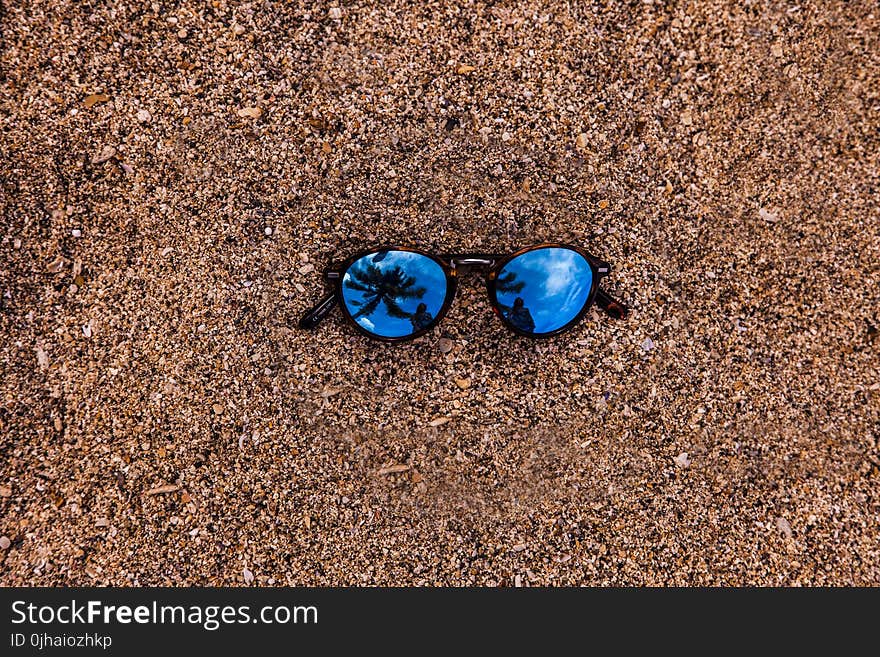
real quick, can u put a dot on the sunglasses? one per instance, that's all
(397, 293)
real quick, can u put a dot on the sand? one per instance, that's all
(174, 179)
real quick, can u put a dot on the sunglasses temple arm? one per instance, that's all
(613, 307)
(312, 318)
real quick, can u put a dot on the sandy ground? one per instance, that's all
(175, 176)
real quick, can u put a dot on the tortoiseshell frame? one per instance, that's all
(452, 263)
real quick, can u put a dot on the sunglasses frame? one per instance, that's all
(453, 265)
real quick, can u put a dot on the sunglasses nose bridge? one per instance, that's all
(468, 261)
(465, 264)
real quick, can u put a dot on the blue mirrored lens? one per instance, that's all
(543, 290)
(394, 293)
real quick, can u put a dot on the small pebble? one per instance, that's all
(42, 358)
(768, 215)
(5, 542)
(57, 265)
(682, 460)
(95, 99)
(76, 232)
(783, 525)
(445, 345)
(267, 231)
(107, 152)
(250, 112)
(647, 344)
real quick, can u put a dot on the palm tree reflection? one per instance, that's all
(391, 287)
(507, 284)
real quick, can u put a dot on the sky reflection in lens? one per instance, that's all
(543, 290)
(394, 293)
